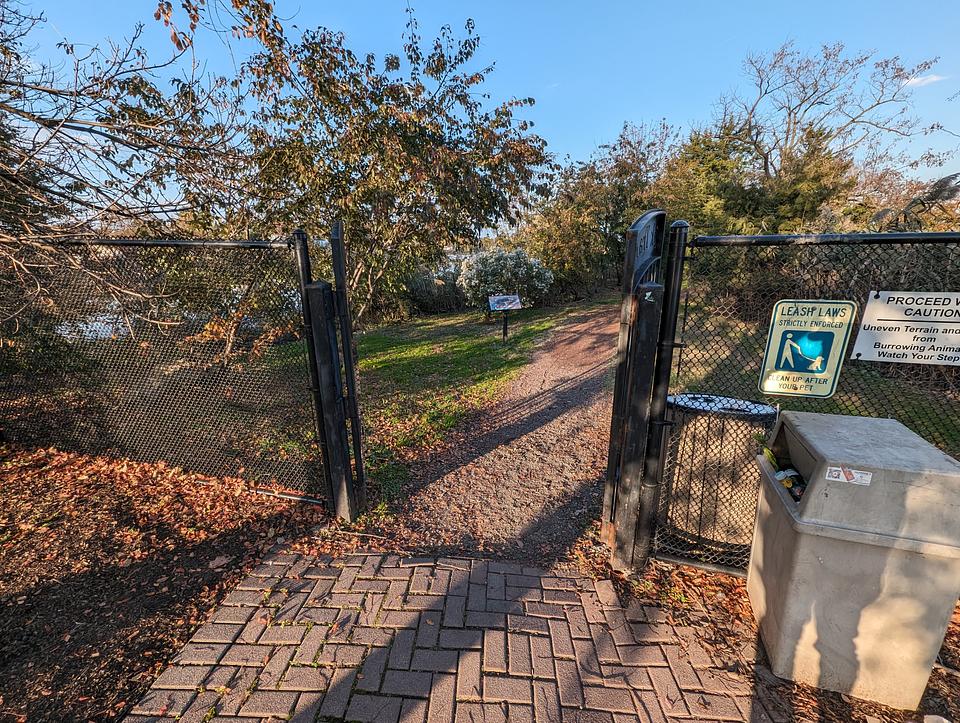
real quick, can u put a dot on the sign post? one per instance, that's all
(805, 347)
(504, 303)
(910, 327)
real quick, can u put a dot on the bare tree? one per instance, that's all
(936, 207)
(103, 143)
(847, 102)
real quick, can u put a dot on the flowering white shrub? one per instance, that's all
(489, 273)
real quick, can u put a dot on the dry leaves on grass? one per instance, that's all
(106, 568)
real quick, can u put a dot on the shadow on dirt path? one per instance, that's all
(524, 479)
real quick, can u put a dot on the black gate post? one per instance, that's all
(302, 251)
(346, 504)
(636, 357)
(645, 316)
(342, 305)
(656, 448)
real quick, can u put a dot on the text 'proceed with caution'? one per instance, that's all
(806, 347)
(910, 327)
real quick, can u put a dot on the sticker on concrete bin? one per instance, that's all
(805, 349)
(853, 476)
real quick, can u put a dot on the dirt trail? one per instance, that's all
(525, 477)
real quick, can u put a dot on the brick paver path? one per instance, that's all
(384, 638)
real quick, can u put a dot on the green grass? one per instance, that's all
(427, 375)
(287, 356)
(421, 378)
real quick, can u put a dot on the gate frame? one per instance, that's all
(651, 272)
(328, 336)
(346, 497)
(645, 513)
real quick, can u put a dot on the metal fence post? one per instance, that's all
(640, 315)
(646, 307)
(653, 464)
(638, 262)
(302, 250)
(338, 253)
(333, 419)
(617, 419)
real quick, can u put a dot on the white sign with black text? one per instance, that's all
(910, 327)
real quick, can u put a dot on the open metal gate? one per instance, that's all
(328, 333)
(652, 269)
(696, 501)
(221, 357)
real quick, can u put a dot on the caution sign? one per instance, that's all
(910, 327)
(806, 346)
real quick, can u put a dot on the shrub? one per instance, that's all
(489, 273)
(429, 293)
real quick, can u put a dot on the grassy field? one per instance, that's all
(421, 378)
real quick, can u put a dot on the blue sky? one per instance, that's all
(593, 65)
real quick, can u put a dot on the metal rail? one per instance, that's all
(829, 239)
(172, 242)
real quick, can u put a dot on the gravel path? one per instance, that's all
(524, 478)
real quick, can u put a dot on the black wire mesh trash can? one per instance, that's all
(709, 495)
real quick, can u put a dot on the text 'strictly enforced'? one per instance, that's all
(910, 327)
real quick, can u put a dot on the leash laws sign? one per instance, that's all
(805, 347)
(910, 327)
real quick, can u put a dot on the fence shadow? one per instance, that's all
(506, 423)
(488, 429)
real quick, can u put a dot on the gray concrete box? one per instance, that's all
(854, 585)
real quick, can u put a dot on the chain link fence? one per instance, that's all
(709, 491)
(187, 353)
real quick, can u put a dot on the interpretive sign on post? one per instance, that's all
(504, 303)
(910, 327)
(805, 347)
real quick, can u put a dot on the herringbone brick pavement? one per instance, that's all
(374, 637)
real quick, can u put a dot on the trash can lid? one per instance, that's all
(872, 476)
(727, 406)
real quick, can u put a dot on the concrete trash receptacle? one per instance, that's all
(853, 586)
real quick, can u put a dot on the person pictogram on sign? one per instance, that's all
(786, 356)
(804, 351)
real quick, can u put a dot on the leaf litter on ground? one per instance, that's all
(108, 566)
